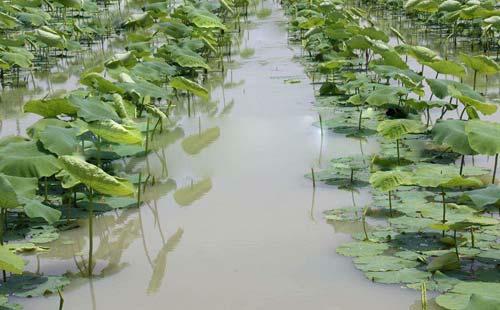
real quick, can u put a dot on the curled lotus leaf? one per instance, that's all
(95, 177)
(484, 136)
(114, 132)
(398, 128)
(389, 180)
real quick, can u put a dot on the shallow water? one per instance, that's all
(255, 237)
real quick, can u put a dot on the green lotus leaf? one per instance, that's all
(406, 275)
(398, 128)
(473, 221)
(420, 53)
(385, 95)
(459, 297)
(50, 107)
(361, 248)
(8, 22)
(95, 177)
(34, 209)
(484, 196)
(196, 143)
(58, 140)
(74, 4)
(389, 180)
(383, 263)
(138, 20)
(50, 37)
(452, 133)
(16, 190)
(484, 137)
(16, 59)
(126, 60)
(144, 88)
(483, 303)
(449, 6)
(446, 67)
(93, 109)
(97, 81)
(205, 19)
(435, 175)
(480, 63)
(445, 262)
(25, 159)
(114, 132)
(181, 83)
(10, 262)
(187, 195)
(186, 58)
(33, 285)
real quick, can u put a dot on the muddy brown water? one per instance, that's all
(253, 235)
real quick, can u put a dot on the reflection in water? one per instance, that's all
(189, 194)
(194, 144)
(160, 262)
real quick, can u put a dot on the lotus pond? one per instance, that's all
(237, 154)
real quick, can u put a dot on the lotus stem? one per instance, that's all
(397, 148)
(61, 299)
(495, 169)
(474, 83)
(352, 176)
(3, 219)
(46, 189)
(472, 238)
(363, 219)
(313, 177)
(146, 145)
(390, 203)
(91, 230)
(320, 123)
(444, 207)
(139, 191)
(360, 117)
(456, 243)
(423, 295)
(462, 163)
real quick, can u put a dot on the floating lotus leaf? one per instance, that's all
(42, 234)
(406, 275)
(398, 128)
(95, 177)
(452, 133)
(189, 194)
(10, 262)
(484, 137)
(116, 133)
(181, 83)
(50, 107)
(383, 263)
(482, 302)
(362, 248)
(459, 297)
(33, 286)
